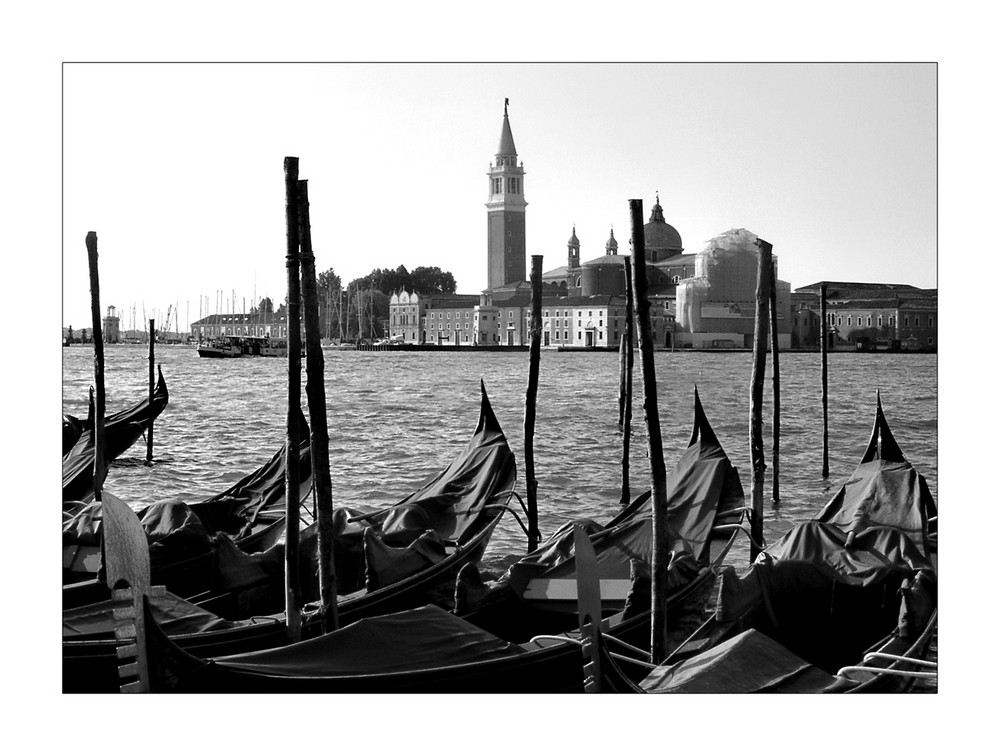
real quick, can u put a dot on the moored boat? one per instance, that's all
(394, 559)
(186, 538)
(538, 592)
(121, 430)
(846, 602)
(423, 649)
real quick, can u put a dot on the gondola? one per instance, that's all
(121, 430)
(404, 555)
(427, 650)
(846, 602)
(390, 560)
(185, 539)
(538, 592)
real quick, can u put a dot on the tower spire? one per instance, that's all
(505, 212)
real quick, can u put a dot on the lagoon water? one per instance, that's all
(396, 418)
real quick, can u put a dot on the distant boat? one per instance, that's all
(244, 346)
(223, 347)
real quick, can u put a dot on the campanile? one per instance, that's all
(505, 213)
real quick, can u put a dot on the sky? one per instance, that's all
(178, 168)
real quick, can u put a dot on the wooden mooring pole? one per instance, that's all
(621, 381)
(764, 270)
(319, 438)
(626, 421)
(658, 470)
(775, 385)
(293, 617)
(823, 336)
(100, 468)
(152, 387)
(531, 394)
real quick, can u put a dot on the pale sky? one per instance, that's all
(179, 168)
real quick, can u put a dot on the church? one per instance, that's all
(702, 300)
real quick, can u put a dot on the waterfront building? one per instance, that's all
(716, 308)
(805, 320)
(268, 325)
(874, 315)
(596, 321)
(447, 319)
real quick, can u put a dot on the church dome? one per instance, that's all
(662, 239)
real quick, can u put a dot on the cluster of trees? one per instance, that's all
(360, 309)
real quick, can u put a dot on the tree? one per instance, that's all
(327, 281)
(432, 280)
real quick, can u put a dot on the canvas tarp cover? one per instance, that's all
(883, 494)
(876, 555)
(425, 638)
(175, 615)
(173, 530)
(385, 565)
(748, 663)
(452, 504)
(703, 483)
(82, 525)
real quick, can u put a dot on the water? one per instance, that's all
(397, 417)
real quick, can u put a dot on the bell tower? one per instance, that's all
(506, 245)
(573, 251)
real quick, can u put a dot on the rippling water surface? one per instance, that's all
(397, 417)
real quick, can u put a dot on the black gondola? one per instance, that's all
(390, 654)
(846, 602)
(121, 430)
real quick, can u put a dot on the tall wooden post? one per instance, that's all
(534, 357)
(823, 342)
(658, 471)
(100, 468)
(152, 388)
(757, 463)
(775, 385)
(293, 617)
(621, 381)
(319, 439)
(629, 360)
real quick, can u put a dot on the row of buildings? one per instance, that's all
(701, 300)
(704, 300)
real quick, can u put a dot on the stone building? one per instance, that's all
(262, 325)
(874, 315)
(716, 308)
